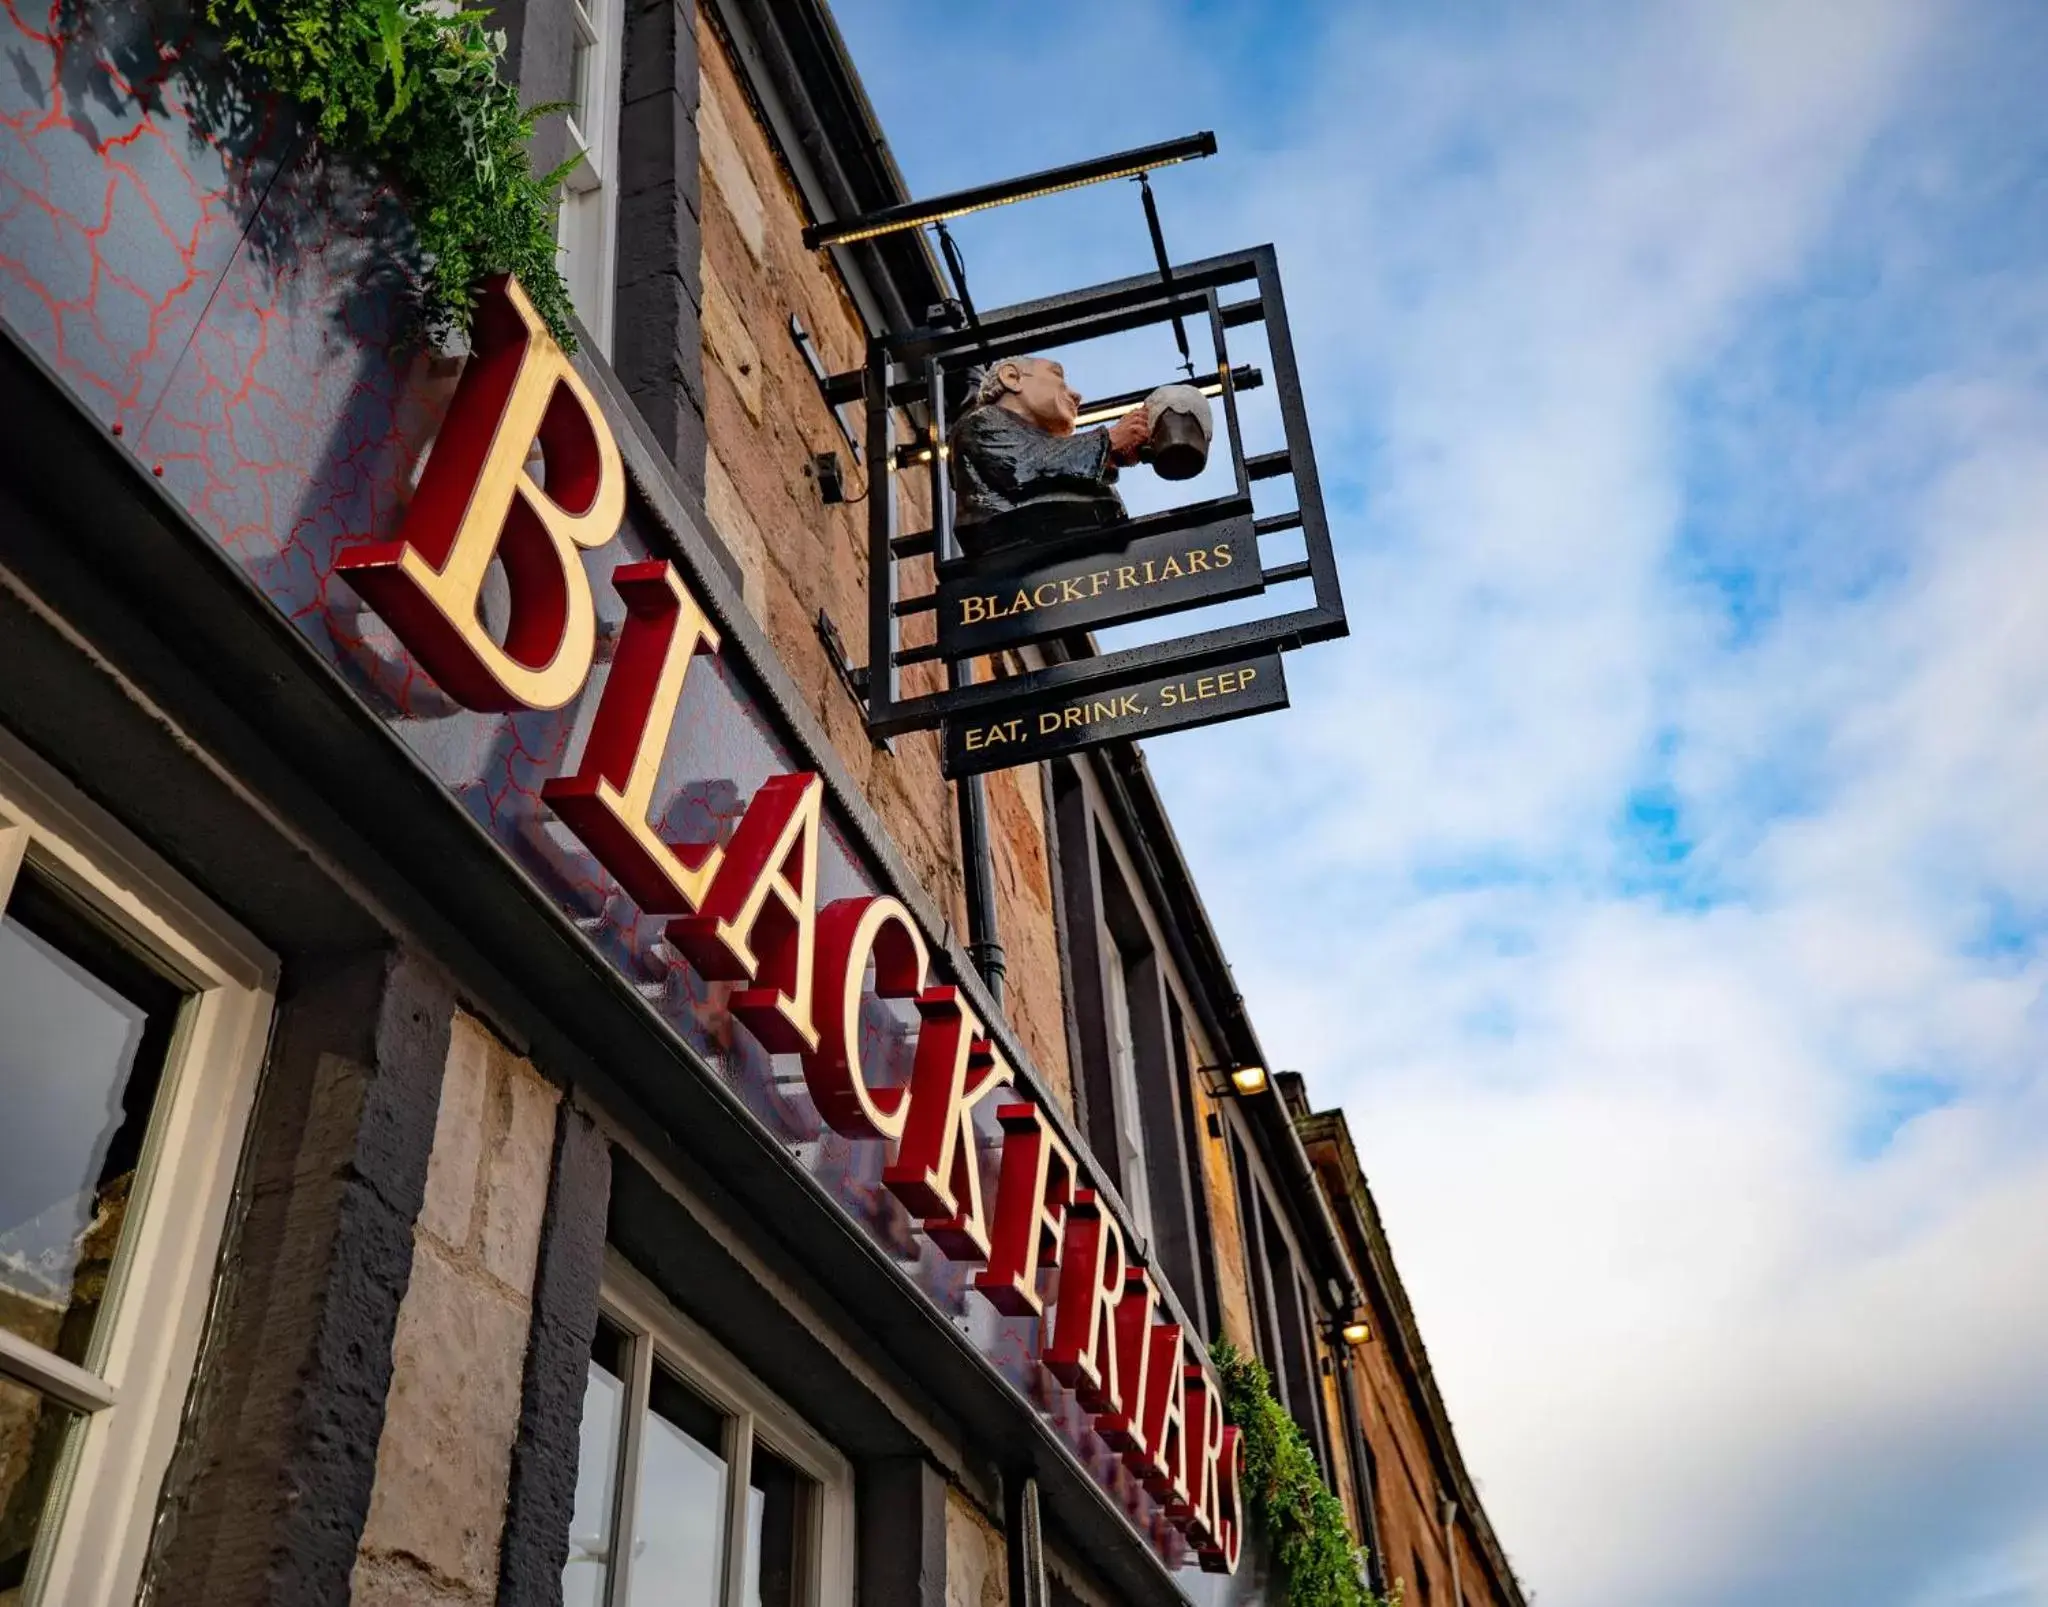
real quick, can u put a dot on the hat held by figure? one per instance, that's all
(1182, 429)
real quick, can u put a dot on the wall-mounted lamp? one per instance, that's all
(1355, 1332)
(1224, 1082)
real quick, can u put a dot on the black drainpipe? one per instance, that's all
(977, 862)
(1361, 1471)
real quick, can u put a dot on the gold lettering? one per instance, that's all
(1198, 562)
(1169, 697)
(1070, 592)
(758, 924)
(1128, 704)
(1040, 600)
(1048, 722)
(973, 610)
(1223, 555)
(1205, 688)
(1150, 578)
(477, 501)
(1246, 676)
(1172, 570)
(1126, 577)
(1097, 581)
(1023, 604)
(609, 800)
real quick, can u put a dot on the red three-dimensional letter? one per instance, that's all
(1165, 1470)
(608, 800)
(1122, 1427)
(759, 921)
(1038, 1176)
(1219, 1555)
(1082, 1353)
(477, 500)
(936, 1173)
(852, 931)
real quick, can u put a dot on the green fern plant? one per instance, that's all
(414, 90)
(1301, 1520)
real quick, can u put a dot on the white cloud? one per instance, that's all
(1695, 1343)
(1725, 1212)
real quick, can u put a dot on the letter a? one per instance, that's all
(477, 500)
(759, 921)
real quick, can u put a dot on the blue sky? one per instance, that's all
(1659, 874)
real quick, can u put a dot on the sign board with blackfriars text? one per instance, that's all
(989, 605)
(1058, 723)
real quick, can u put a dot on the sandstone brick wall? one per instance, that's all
(977, 1566)
(438, 1507)
(764, 420)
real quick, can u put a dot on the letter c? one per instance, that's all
(850, 931)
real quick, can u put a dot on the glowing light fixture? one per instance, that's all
(1355, 1332)
(1248, 1080)
(1224, 1081)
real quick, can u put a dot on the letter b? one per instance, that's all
(477, 500)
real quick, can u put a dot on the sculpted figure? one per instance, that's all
(1021, 473)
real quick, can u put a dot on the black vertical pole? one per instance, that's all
(1024, 1542)
(977, 862)
(1362, 1480)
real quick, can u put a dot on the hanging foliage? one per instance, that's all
(414, 90)
(1302, 1521)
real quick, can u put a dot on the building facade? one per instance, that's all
(500, 1105)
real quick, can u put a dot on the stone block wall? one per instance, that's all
(977, 1565)
(437, 1509)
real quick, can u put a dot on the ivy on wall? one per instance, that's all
(412, 88)
(1301, 1520)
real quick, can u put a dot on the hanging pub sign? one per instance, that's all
(1031, 540)
(984, 607)
(747, 911)
(1058, 724)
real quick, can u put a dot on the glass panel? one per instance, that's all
(679, 1518)
(778, 1512)
(1123, 1074)
(32, 1436)
(84, 1027)
(587, 1574)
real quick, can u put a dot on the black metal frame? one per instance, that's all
(913, 369)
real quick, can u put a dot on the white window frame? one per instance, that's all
(588, 227)
(1123, 1085)
(752, 1412)
(103, 1499)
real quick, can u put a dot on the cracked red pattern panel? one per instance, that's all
(254, 354)
(128, 172)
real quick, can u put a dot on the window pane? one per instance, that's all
(778, 1510)
(32, 1436)
(588, 1571)
(84, 1026)
(679, 1521)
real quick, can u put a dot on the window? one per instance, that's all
(1131, 1062)
(131, 1025)
(589, 223)
(696, 1487)
(1123, 1084)
(1283, 1308)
